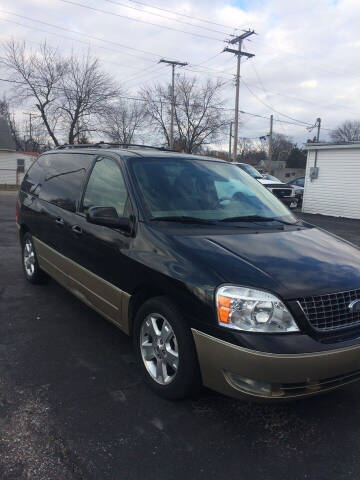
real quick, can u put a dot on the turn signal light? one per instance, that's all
(224, 308)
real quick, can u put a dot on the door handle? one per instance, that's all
(60, 221)
(77, 229)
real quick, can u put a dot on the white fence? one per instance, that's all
(10, 176)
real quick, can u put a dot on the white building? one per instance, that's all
(335, 187)
(13, 164)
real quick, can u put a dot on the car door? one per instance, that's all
(57, 192)
(60, 192)
(102, 252)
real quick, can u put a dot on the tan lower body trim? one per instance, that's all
(217, 357)
(102, 296)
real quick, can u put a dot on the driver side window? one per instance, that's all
(106, 187)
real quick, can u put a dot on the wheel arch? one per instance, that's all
(144, 293)
(23, 229)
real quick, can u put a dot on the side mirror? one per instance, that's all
(108, 217)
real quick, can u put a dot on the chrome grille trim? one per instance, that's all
(331, 311)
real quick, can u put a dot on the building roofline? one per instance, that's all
(331, 145)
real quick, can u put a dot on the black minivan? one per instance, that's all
(215, 279)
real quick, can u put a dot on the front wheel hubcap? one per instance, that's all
(159, 348)
(29, 258)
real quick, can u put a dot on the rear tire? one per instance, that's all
(165, 350)
(32, 271)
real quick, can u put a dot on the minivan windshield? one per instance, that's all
(250, 170)
(190, 189)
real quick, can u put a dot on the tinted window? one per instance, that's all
(63, 179)
(34, 177)
(203, 189)
(106, 187)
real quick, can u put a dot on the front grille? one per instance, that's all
(282, 192)
(331, 312)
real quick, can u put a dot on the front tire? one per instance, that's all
(165, 350)
(32, 271)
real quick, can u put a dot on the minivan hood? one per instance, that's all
(300, 262)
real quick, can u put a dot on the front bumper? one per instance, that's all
(285, 375)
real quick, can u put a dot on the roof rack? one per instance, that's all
(109, 145)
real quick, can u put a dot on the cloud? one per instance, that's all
(309, 84)
(300, 45)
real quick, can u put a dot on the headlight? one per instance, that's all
(252, 310)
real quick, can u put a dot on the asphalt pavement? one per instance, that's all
(73, 405)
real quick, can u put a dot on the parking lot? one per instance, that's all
(73, 405)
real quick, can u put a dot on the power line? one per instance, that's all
(138, 20)
(165, 16)
(299, 99)
(153, 77)
(208, 59)
(106, 48)
(132, 76)
(183, 15)
(135, 75)
(74, 40)
(263, 88)
(82, 34)
(139, 99)
(148, 79)
(273, 109)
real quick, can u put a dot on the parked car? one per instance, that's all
(214, 278)
(298, 185)
(281, 190)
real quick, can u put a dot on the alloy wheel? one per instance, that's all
(159, 348)
(29, 258)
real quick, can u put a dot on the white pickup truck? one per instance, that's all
(285, 192)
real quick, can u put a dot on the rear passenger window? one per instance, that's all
(64, 176)
(34, 177)
(106, 187)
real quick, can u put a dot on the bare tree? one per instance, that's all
(123, 120)
(157, 101)
(37, 76)
(245, 145)
(199, 117)
(281, 147)
(348, 131)
(86, 92)
(70, 93)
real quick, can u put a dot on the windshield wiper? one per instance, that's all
(183, 219)
(255, 218)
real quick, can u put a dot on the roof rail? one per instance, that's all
(109, 145)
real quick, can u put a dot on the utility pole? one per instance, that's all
(173, 65)
(230, 140)
(270, 141)
(317, 125)
(30, 126)
(239, 53)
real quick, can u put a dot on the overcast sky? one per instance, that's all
(307, 62)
